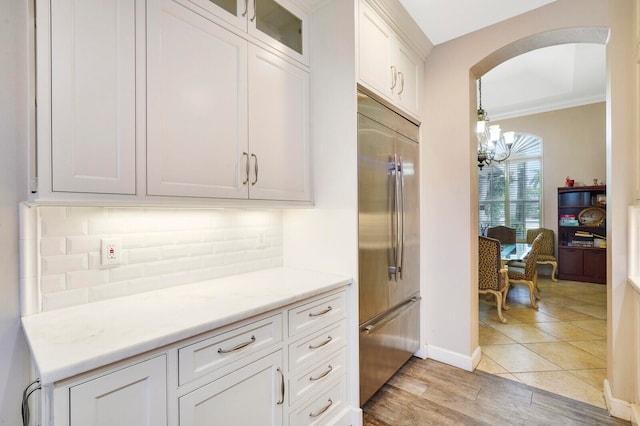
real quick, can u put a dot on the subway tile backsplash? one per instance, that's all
(160, 248)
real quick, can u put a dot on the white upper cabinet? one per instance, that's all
(375, 47)
(226, 118)
(408, 84)
(386, 64)
(196, 105)
(92, 97)
(278, 23)
(278, 129)
(139, 101)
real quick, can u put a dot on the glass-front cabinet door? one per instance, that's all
(233, 12)
(284, 23)
(279, 23)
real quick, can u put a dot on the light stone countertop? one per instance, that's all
(70, 341)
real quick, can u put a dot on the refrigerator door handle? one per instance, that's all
(393, 168)
(402, 215)
(371, 328)
(397, 214)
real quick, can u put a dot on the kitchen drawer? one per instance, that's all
(208, 355)
(317, 313)
(312, 348)
(316, 377)
(323, 409)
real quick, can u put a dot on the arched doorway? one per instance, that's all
(536, 348)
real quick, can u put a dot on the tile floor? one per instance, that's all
(561, 347)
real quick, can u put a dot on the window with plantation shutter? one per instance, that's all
(510, 193)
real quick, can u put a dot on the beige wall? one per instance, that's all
(573, 145)
(449, 178)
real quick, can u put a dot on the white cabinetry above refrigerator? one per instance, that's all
(386, 64)
(164, 102)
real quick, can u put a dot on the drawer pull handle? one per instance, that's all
(313, 379)
(321, 344)
(319, 314)
(281, 387)
(237, 347)
(322, 410)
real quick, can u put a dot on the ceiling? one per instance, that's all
(541, 80)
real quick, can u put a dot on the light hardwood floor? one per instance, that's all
(543, 367)
(426, 392)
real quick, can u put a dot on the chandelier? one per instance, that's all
(493, 147)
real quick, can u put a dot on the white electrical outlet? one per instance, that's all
(111, 251)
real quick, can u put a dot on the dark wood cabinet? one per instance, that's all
(582, 234)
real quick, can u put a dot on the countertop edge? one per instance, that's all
(59, 363)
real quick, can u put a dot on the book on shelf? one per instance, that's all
(583, 234)
(568, 220)
(582, 243)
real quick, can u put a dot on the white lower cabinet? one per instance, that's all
(323, 409)
(283, 367)
(135, 395)
(250, 395)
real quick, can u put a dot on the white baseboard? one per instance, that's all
(635, 414)
(454, 359)
(352, 417)
(422, 352)
(617, 407)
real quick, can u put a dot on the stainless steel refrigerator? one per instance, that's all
(389, 248)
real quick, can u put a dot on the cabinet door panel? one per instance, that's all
(135, 395)
(196, 105)
(570, 261)
(410, 68)
(283, 26)
(278, 128)
(375, 48)
(93, 96)
(231, 11)
(595, 265)
(248, 396)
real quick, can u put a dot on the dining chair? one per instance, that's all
(546, 255)
(529, 274)
(492, 279)
(504, 234)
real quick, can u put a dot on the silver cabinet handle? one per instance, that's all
(324, 374)
(322, 410)
(245, 155)
(255, 169)
(281, 387)
(394, 77)
(318, 314)
(246, 8)
(254, 11)
(401, 83)
(319, 345)
(237, 347)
